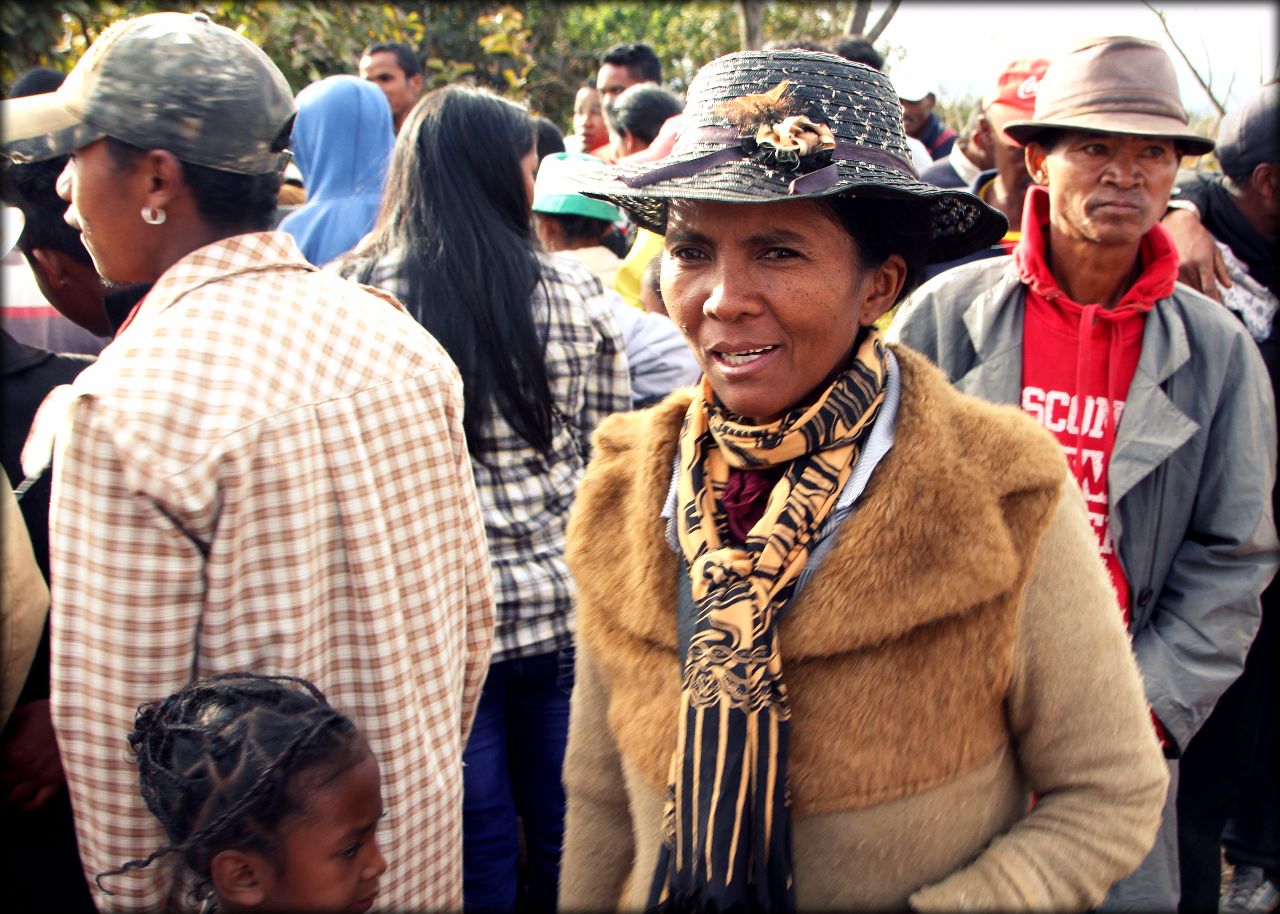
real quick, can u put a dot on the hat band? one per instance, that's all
(814, 182)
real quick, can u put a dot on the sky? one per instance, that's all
(967, 44)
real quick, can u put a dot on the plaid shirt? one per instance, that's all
(267, 471)
(525, 496)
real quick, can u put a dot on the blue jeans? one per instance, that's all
(512, 766)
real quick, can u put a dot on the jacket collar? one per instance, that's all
(1153, 426)
(994, 322)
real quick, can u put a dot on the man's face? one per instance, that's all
(1008, 157)
(1104, 188)
(916, 114)
(105, 200)
(612, 80)
(401, 91)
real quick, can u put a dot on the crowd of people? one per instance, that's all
(766, 499)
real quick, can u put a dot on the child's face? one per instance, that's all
(328, 854)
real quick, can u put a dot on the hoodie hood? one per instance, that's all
(342, 141)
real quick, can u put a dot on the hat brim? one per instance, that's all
(962, 224)
(1153, 125)
(39, 127)
(576, 205)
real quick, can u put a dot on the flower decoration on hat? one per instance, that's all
(793, 138)
(774, 134)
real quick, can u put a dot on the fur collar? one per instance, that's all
(955, 511)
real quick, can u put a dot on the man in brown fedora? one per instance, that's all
(1156, 394)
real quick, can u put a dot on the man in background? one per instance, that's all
(1005, 185)
(968, 158)
(915, 91)
(859, 50)
(625, 65)
(1012, 96)
(396, 70)
(1229, 796)
(1157, 396)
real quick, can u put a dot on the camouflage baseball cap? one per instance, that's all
(164, 81)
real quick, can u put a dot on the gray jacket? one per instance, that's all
(1190, 477)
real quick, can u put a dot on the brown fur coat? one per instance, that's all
(902, 657)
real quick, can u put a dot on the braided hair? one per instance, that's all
(219, 763)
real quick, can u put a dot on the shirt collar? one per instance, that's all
(963, 165)
(227, 257)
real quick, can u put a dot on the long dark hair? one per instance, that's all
(456, 209)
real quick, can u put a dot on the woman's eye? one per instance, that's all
(780, 254)
(685, 253)
(352, 850)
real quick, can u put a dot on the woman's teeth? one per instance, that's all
(742, 358)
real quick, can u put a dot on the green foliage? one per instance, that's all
(539, 50)
(506, 42)
(307, 40)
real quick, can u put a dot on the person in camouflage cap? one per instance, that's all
(165, 81)
(208, 108)
(265, 472)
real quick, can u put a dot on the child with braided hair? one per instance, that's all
(269, 795)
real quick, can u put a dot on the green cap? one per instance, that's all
(172, 81)
(555, 192)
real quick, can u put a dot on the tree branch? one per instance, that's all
(883, 21)
(750, 23)
(84, 29)
(1194, 72)
(857, 20)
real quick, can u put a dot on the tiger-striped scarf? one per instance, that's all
(726, 843)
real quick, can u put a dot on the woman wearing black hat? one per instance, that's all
(838, 623)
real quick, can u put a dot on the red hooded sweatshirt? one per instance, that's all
(1078, 361)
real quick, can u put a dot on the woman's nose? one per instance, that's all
(729, 298)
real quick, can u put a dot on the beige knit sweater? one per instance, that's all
(959, 650)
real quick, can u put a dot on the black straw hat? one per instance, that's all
(765, 126)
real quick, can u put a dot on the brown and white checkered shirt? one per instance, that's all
(267, 471)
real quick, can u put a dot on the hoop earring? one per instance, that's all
(153, 215)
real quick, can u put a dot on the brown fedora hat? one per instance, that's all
(1112, 85)
(764, 126)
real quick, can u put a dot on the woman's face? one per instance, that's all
(105, 208)
(770, 297)
(588, 119)
(529, 169)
